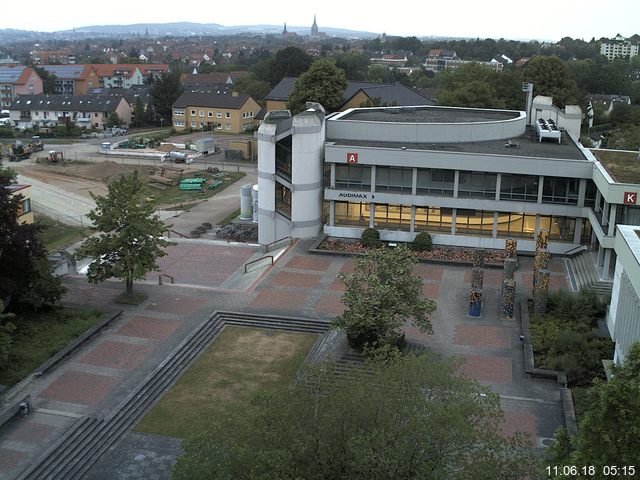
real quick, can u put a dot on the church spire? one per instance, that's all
(314, 27)
(284, 32)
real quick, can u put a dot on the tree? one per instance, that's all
(130, 238)
(609, 429)
(48, 80)
(164, 93)
(288, 62)
(323, 82)
(355, 65)
(113, 120)
(380, 295)
(6, 329)
(475, 85)
(139, 114)
(256, 89)
(407, 417)
(551, 77)
(25, 274)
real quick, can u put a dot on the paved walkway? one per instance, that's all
(97, 377)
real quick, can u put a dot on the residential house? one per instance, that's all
(63, 56)
(439, 59)
(390, 60)
(73, 79)
(606, 102)
(228, 112)
(126, 75)
(25, 214)
(88, 111)
(16, 81)
(356, 95)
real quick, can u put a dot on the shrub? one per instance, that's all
(422, 242)
(370, 238)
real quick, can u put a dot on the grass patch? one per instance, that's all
(134, 299)
(173, 196)
(40, 335)
(239, 364)
(58, 235)
(624, 167)
(230, 218)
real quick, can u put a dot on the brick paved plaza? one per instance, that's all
(210, 277)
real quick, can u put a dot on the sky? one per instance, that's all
(541, 20)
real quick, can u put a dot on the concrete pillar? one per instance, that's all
(494, 231)
(456, 183)
(453, 221)
(600, 261)
(578, 232)
(414, 182)
(412, 227)
(540, 188)
(582, 189)
(332, 213)
(373, 179)
(613, 209)
(498, 183)
(332, 181)
(606, 264)
(596, 207)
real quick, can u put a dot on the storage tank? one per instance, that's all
(254, 200)
(246, 202)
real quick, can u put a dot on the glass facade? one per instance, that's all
(559, 228)
(518, 225)
(394, 179)
(519, 187)
(351, 214)
(590, 194)
(477, 185)
(354, 177)
(283, 200)
(283, 158)
(433, 219)
(435, 182)
(474, 222)
(392, 217)
(560, 190)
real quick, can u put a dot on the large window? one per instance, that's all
(590, 194)
(477, 185)
(347, 213)
(392, 217)
(283, 158)
(433, 219)
(519, 187)
(559, 228)
(474, 222)
(516, 225)
(283, 200)
(560, 190)
(394, 179)
(356, 177)
(435, 182)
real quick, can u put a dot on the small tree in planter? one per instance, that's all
(380, 295)
(370, 238)
(422, 242)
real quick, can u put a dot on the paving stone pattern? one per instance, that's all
(101, 373)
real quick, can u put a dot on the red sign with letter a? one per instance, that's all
(352, 157)
(630, 198)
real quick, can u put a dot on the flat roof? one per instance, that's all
(428, 115)
(624, 167)
(524, 146)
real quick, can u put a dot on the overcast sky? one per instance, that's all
(543, 20)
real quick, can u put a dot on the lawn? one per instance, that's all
(239, 363)
(624, 167)
(40, 335)
(58, 235)
(172, 196)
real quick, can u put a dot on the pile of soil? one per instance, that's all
(247, 232)
(168, 148)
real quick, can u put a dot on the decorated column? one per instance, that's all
(507, 301)
(475, 302)
(541, 292)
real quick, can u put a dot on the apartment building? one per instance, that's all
(618, 47)
(18, 80)
(226, 112)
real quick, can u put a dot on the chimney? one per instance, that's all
(234, 93)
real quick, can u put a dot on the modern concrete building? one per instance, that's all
(470, 177)
(623, 320)
(618, 47)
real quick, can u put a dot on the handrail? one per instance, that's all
(177, 233)
(266, 247)
(257, 260)
(570, 252)
(165, 275)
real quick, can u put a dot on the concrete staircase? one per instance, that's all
(585, 276)
(75, 452)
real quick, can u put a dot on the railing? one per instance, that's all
(575, 250)
(267, 247)
(165, 275)
(177, 233)
(258, 260)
